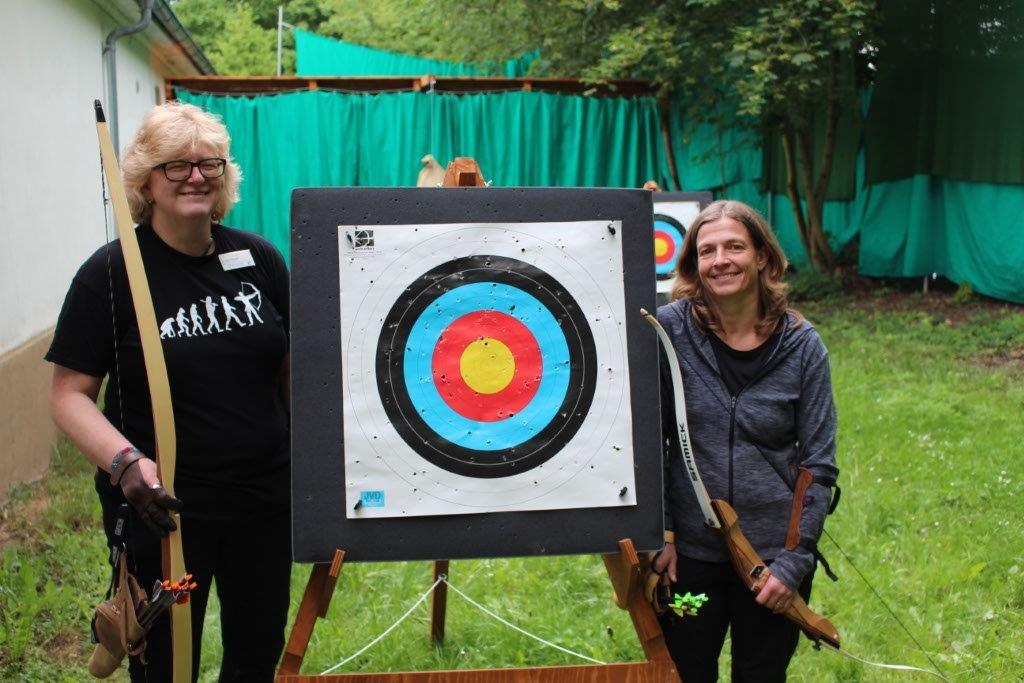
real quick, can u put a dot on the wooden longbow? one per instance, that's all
(173, 561)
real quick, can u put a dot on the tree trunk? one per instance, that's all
(789, 154)
(821, 254)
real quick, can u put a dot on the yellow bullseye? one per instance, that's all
(487, 366)
(660, 247)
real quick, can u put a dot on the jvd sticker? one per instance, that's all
(372, 499)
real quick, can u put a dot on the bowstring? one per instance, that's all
(881, 665)
(110, 285)
(885, 604)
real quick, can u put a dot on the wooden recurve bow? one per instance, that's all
(159, 392)
(719, 515)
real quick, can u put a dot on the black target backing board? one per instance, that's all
(323, 517)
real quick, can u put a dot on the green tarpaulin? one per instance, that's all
(319, 56)
(933, 182)
(949, 94)
(912, 227)
(314, 139)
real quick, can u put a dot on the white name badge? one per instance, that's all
(233, 260)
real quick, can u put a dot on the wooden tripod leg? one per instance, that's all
(438, 604)
(315, 602)
(624, 571)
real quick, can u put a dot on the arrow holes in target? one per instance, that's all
(486, 366)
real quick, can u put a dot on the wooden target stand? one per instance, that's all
(625, 571)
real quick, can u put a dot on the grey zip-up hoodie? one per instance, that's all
(749, 447)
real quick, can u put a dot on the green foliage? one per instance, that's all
(808, 284)
(929, 443)
(51, 574)
(964, 293)
(228, 34)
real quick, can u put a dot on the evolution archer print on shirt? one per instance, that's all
(221, 314)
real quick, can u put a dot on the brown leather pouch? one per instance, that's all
(115, 626)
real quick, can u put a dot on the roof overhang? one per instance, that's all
(173, 53)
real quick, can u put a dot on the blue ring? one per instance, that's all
(418, 366)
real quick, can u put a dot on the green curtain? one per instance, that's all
(321, 138)
(960, 230)
(949, 93)
(713, 155)
(916, 227)
(320, 56)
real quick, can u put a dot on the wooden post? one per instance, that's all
(463, 172)
(624, 571)
(438, 604)
(315, 602)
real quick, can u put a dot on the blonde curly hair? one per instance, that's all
(169, 131)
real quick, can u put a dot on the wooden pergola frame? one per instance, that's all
(261, 85)
(266, 85)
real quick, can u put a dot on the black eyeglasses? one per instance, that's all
(180, 169)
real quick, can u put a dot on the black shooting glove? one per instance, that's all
(154, 505)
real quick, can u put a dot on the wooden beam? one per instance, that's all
(629, 672)
(250, 85)
(315, 602)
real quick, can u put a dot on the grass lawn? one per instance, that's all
(931, 408)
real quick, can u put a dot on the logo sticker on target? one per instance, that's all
(486, 369)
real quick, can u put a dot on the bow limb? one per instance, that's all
(159, 391)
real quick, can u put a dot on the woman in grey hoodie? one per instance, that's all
(759, 408)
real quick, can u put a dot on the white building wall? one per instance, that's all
(51, 211)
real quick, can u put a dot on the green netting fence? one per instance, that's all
(321, 138)
(321, 56)
(929, 177)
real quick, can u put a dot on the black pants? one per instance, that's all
(251, 562)
(762, 642)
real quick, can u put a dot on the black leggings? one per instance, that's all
(251, 562)
(762, 642)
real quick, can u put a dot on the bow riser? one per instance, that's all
(754, 573)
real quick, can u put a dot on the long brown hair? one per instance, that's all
(773, 302)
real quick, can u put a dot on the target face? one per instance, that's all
(671, 219)
(486, 366)
(668, 244)
(486, 369)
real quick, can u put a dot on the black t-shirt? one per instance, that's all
(739, 367)
(224, 335)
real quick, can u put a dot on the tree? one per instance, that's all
(771, 65)
(240, 36)
(775, 65)
(229, 36)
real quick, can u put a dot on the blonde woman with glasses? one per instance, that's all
(221, 298)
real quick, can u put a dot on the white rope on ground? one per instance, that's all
(516, 628)
(443, 578)
(388, 630)
(897, 667)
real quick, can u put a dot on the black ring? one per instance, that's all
(391, 349)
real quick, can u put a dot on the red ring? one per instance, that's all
(667, 256)
(447, 356)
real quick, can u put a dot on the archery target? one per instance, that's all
(671, 218)
(486, 369)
